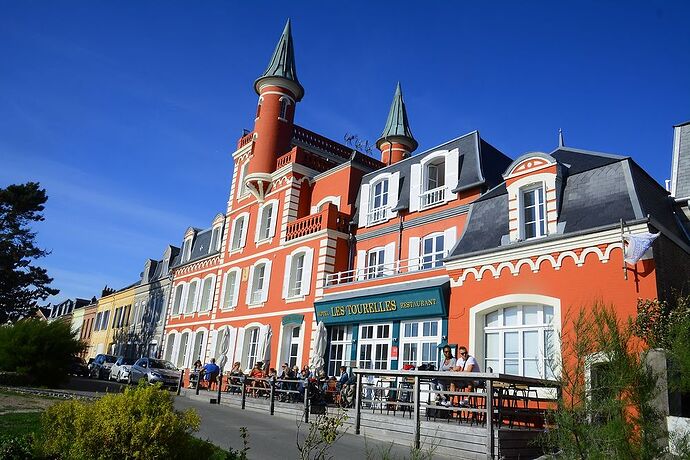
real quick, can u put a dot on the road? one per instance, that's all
(274, 437)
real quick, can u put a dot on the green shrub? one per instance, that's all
(139, 423)
(41, 350)
(16, 447)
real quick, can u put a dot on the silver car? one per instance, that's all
(120, 370)
(154, 371)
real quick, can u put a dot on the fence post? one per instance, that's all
(198, 383)
(273, 391)
(244, 391)
(306, 401)
(489, 419)
(220, 383)
(358, 403)
(417, 413)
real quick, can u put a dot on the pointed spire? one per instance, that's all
(397, 124)
(561, 143)
(282, 63)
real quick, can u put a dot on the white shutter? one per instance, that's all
(263, 337)
(259, 220)
(452, 160)
(267, 282)
(361, 265)
(286, 276)
(232, 340)
(413, 254)
(306, 271)
(393, 192)
(236, 294)
(250, 281)
(415, 186)
(245, 227)
(389, 258)
(448, 240)
(274, 220)
(239, 348)
(363, 204)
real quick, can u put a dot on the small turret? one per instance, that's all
(396, 142)
(279, 91)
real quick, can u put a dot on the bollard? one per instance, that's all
(358, 404)
(198, 381)
(179, 384)
(244, 391)
(220, 383)
(273, 392)
(306, 402)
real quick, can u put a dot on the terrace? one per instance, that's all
(329, 218)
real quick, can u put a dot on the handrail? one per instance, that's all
(507, 378)
(414, 264)
(329, 218)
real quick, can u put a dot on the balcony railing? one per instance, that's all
(315, 140)
(433, 197)
(329, 218)
(244, 140)
(378, 215)
(424, 262)
(302, 157)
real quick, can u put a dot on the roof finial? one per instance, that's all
(561, 143)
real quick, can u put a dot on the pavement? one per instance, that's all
(274, 437)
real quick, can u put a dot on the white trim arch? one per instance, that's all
(242, 234)
(305, 277)
(328, 199)
(212, 277)
(190, 308)
(183, 296)
(479, 312)
(265, 283)
(192, 350)
(169, 354)
(258, 237)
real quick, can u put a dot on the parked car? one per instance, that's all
(100, 367)
(78, 367)
(120, 370)
(155, 371)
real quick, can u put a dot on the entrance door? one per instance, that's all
(374, 346)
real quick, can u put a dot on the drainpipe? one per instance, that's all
(400, 235)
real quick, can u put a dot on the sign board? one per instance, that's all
(414, 303)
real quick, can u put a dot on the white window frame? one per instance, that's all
(211, 279)
(243, 191)
(216, 238)
(190, 304)
(377, 269)
(187, 249)
(181, 355)
(298, 288)
(258, 108)
(420, 340)
(540, 223)
(234, 289)
(437, 255)
(545, 363)
(284, 105)
(264, 232)
(433, 196)
(249, 359)
(238, 237)
(379, 213)
(193, 356)
(343, 343)
(257, 297)
(170, 346)
(375, 341)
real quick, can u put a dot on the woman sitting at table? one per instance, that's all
(448, 364)
(257, 374)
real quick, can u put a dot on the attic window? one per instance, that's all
(533, 211)
(434, 183)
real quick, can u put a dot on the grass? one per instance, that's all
(19, 424)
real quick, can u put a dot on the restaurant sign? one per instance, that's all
(414, 303)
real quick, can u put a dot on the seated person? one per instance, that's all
(344, 377)
(448, 364)
(194, 373)
(286, 373)
(211, 371)
(236, 375)
(257, 374)
(466, 363)
(330, 390)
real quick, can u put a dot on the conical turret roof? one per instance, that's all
(397, 124)
(282, 63)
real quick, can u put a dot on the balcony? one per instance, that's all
(302, 157)
(244, 140)
(433, 197)
(329, 218)
(378, 215)
(403, 266)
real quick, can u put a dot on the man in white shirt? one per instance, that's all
(466, 363)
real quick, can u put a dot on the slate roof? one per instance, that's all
(681, 162)
(480, 164)
(200, 245)
(283, 62)
(598, 190)
(397, 124)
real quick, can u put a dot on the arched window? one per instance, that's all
(252, 346)
(258, 107)
(298, 273)
(198, 347)
(267, 221)
(169, 345)
(520, 340)
(239, 232)
(231, 289)
(259, 279)
(222, 342)
(283, 108)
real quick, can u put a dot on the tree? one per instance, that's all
(22, 284)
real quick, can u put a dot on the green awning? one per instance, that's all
(292, 319)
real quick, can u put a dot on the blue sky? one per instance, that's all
(128, 112)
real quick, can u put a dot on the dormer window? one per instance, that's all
(379, 202)
(215, 240)
(434, 183)
(533, 211)
(187, 250)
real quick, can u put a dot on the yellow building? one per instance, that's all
(113, 317)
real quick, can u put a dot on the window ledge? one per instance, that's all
(236, 251)
(228, 309)
(264, 241)
(296, 298)
(255, 305)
